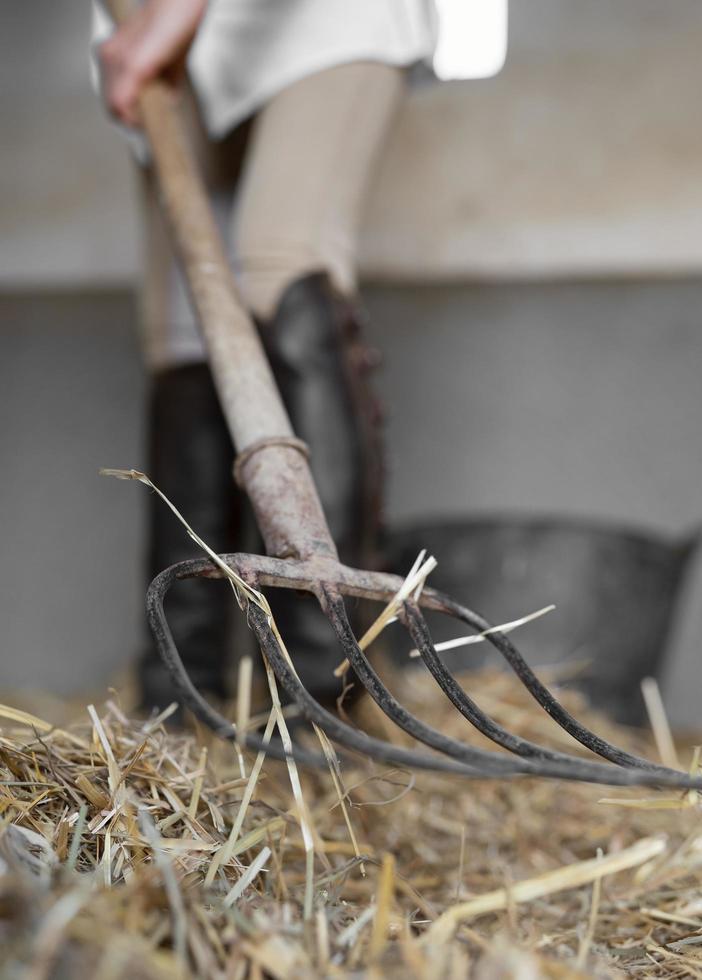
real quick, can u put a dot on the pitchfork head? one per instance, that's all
(330, 582)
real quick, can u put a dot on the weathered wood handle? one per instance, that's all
(246, 387)
(277, 477)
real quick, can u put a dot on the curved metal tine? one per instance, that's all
(334, 727)
(421, 637)
(191, 697)
(339, 731)
(569, 768)
(538, 691)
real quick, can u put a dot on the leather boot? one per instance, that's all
(190, 457)
(314, 345)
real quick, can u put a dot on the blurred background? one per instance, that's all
(532, 266)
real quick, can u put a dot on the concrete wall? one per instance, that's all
(71, 589)
(581, 157)
(578, 399)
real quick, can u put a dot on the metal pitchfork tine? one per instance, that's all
(456, 757)
(272, 468)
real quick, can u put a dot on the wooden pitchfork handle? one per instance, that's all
(272, 464)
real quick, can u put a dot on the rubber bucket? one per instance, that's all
(615, 591)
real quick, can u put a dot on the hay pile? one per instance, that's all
(112, 862)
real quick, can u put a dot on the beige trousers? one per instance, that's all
(288, 193)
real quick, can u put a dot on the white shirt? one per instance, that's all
(248, 50)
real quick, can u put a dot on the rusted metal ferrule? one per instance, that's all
(242, 459)
(274, 473)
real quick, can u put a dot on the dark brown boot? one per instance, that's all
(322, 367)
(190, 458)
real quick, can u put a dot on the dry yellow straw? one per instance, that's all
(225, 853)
(113, 774)
(327, 749)
(303, 814)
(31, 721)
(466, 641)
(243, 883)
(242, 588)
(197, 787)
(586, 941)
(243, 704)
(243, 591)
(383, 904)
(244, 683)
(659, 723)
(412, 585)
(570, 876)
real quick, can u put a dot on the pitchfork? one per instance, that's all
(272, 468)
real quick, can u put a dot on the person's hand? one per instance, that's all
(152, 42)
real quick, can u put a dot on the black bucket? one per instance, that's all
(614, 590)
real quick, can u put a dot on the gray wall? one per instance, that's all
(578, 399)
(580, 157)
(71, 401)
